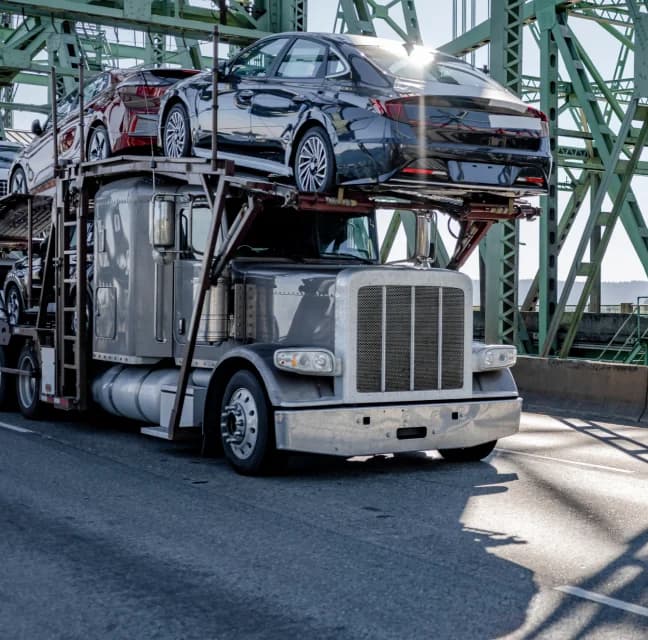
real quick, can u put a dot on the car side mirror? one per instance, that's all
(36, 128)
(223, 69)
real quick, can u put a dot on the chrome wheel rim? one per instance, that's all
(312, 164)
(13, 306)
(18, 183)
(98, 145)
(175, 135)
(27, 382)
(240, 423)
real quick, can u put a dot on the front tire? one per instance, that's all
(247, 430)
(98, 144)
(469, 454)
(176, 142)
(314, 165)
(18, 182)
(28, 386)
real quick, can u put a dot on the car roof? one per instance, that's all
(347, 37)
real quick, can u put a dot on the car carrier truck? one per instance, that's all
(203, 303)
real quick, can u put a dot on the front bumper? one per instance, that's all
(371, 430)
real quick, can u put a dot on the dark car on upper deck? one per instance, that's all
(330, 110)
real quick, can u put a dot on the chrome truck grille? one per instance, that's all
(409, 338)
(4, 188)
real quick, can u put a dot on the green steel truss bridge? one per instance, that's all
(598, 122)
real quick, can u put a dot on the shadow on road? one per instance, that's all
(608, 436)
(624, 579)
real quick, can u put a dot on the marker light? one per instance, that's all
(486, 357)
(310, 362)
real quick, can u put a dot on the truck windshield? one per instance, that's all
(312, 235)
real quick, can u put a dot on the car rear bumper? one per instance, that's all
(347, 431)
(435, 167)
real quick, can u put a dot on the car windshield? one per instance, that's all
(417, 63)
(312, 235)
(7, 156)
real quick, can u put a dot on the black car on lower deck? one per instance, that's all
(334, 110)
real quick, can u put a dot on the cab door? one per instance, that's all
(194, 223)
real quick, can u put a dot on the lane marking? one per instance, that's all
(597, 597)
(574, 462)
(13, 427)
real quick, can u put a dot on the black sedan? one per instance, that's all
(331, 110)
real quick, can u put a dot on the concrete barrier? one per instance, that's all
(604, 390)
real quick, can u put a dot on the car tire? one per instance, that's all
(98, 144)
(14, 304)
(18, 181)
(176, 142)
(314, 164)
(246, 425)
(469, 454)
(28, 386)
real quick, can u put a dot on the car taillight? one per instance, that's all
(142, 96)
(536, 113)
(532, 180)
(392, 109)
(418, 171)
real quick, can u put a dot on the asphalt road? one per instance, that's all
(107, 534)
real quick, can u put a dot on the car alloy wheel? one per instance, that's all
(98, 145)
(13, 305)
(176, 133)
(314, 162)
(18, 181)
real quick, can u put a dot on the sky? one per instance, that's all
(435, 18)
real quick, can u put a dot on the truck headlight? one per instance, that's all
(486, 357)
(311, 362)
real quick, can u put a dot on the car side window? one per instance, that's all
(95, 87)
(67, 105)
(257, 61)
(367, 73)
(304, 60)
(335, 66)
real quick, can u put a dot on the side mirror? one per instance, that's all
(223, 69)
(162, 223)
(36, 128)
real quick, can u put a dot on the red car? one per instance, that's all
(121, 113)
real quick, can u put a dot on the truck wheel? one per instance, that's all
(469, 454)
(28, 386)
(246, 425)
